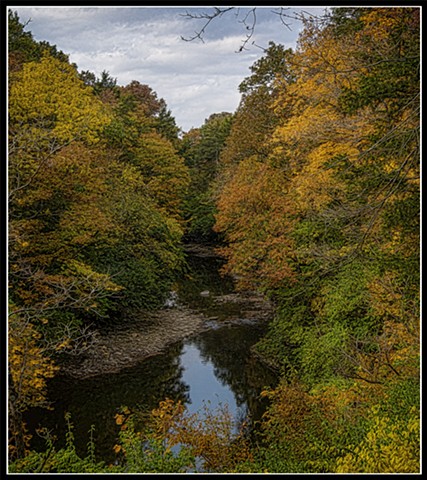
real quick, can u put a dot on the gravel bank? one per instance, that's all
(132, 342)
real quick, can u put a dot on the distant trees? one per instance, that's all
(201, 149)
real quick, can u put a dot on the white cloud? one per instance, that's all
(195, 79)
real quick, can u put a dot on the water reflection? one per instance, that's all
(204, 385)
(215, 367)
(202, 283)
(96, 400)
(227, 350)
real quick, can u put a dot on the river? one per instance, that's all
(213, 366)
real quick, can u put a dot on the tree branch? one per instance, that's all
(208, 17)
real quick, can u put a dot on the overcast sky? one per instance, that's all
(195, 78)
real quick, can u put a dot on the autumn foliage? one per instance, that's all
(324, 215)
(94, 195)
(313, 188)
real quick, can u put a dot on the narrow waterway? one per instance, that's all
(213, 366)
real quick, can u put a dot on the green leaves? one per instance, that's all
(201, 149)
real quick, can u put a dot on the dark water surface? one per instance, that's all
(215, 367)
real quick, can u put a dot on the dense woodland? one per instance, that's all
(310, 190)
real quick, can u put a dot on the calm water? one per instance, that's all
(213, 368)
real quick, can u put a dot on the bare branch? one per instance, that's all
(249, 26)
(249, 21)
(208, 17)
(282, 15)
(54, 148)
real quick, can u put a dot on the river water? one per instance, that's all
(212, 368)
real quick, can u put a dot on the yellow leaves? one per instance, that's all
(167, 411)
(388, 447)
(307, 126)
(115, 288)
(119, 419)
(49, 98)
(163, 171)
(207, 435)
(386, 297)
(379, 23)
(123, 416)
(28, 366)
(124, 419)
(84, 271)
(63, 345)
(267, 393)
(391, 165)
(317, 184)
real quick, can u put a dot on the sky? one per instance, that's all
(195, 78)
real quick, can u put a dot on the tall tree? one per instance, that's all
(91, 228)
(249, 215)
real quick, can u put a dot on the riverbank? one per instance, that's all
(150, 333)
(204, 301)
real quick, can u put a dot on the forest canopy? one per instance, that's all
(310, 190)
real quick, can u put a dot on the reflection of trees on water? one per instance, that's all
(96, 400)
(203, 275)
(228, 349)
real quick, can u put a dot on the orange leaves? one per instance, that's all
(336, 184)
(119, 419)
(291, 414)
(122, 417)
(209, 436)
(254, 214)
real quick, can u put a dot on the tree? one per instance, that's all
(22, 47)
(251, 210)
(164, 172)
(344, 148)
(49, 108)
(201, 149)
(90, 226)
(252, 187)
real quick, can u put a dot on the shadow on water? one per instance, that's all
(215, 366)
(96, 400)
(203, 283)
